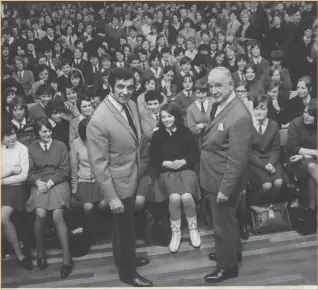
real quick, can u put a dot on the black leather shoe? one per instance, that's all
(212, 257)
(66, 270)
(42, 263)
(137, 281)
(221, 275)
(141, 262)
(245, 234)
(26, 263)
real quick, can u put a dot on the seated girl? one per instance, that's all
(85, 191)
(302, 149)
(15, 167)
(50, 191)
(23, 126)
(241, 91)
(265, 172)
(173, 153)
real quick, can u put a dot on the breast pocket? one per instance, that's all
(221, 138)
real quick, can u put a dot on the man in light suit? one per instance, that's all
(226, 143)
(113, 141)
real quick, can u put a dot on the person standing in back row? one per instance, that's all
(226, 145)
(113, 140)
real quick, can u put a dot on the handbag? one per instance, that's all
(270, 217)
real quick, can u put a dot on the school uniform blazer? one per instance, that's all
(148, 123)
(26, 81)
(113, 150)
(226, 145)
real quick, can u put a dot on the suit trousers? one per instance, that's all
(123, 239)
(226, 231)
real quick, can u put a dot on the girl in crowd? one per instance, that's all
(256, 87)
(175, 28)
(198, 113)
(15, 167)
(77, 80)
(302, 149)
(72, 110)
(242, 92)
(239, 76)
(18, 110)
(8, 96)
(55, 110)
(85, 191)
(295, 106)
(173, 153)
(265, 172)
(139, 88)
(50, 190)
(85, 107)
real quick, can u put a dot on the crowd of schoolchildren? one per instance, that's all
(56, 59)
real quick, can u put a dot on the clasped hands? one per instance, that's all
(43, 187)
(270, 168)
(174, 164)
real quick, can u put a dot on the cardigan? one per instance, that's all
(300, 135)
(52, 164)
(73, 128)
(15, 156)
(184, 102)
(294, 108)
(25, 135)
(180, 145)
(36, 111)
(61, 132)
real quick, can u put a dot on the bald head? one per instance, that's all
(220, 84)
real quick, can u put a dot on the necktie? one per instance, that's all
(202, 108)
(260, 129)
(130, 120)
(157, 118)
(70, 40)
(45, 147)
(213, 111)
(20, 127)
(189, 94)
(20, 75)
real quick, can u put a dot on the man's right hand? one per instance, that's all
(116, 206)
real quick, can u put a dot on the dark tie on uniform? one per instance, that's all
(260, 129)
(20, 127)
(157, 118)
(130, 120)
(202, 108)
(45, 147)
(213, 111)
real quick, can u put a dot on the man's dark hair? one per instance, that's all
(119, 73)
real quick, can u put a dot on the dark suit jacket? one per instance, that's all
(225, 150)
(251, 32)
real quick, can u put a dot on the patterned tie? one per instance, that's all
(130, 120)
(213, 111)
(202, 108)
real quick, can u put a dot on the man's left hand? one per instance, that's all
(221, 197)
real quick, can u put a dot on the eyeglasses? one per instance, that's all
(240, 92)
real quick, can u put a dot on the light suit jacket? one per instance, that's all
(113, 150)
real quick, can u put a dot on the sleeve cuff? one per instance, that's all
(50, 183)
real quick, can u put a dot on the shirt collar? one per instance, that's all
(117, 105)
(171, 131)
(14, 122)
(47, 144)
(187, 93)
(199, 103)
(257, 123)
(227, 101)
(52, 122)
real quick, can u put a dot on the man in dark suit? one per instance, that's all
(113, 140)
(226, 143)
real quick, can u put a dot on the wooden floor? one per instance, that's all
(270, 259)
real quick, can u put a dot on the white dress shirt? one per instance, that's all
(256, 124)
(47, 144)
(205, 105)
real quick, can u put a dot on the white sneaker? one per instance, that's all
(194, 232)
(176, 236)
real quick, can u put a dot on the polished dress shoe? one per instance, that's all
(244, 233)
(26, 263)
(221, 275)
(42, 263)
(141, 262)
(212, 257)
(66, 270)
(137, 281)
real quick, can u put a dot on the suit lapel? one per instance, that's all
(122, 120)
(221, 115)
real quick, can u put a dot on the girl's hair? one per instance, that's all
(250, 65)
(81, 99)
(260, 99)
(245, 85)
(18, 102)
(76, 73)
(54, 106)
(173, 110)
(82, 126)
(38, 123)
(272, 70)
(7, 128)
(307, 80)
(312, 109)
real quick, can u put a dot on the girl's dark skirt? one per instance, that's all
(180, 182)
(87, 192)
(300, 168)
(13, 196)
